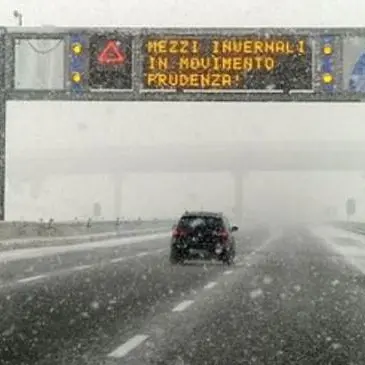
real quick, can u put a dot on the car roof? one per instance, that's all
(203, 214)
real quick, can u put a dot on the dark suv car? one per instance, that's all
(203, 235)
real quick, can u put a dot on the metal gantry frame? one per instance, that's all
(3, 100)
(9, 36)
(138, 94)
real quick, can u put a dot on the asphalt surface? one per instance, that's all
(291, 298)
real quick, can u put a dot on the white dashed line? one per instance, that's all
(141, 254)
(183, 305)
(119, 259)
(162, 249)
(128, 346)
(31, 278)
(81, 267)
(210, 285)
(228, 272)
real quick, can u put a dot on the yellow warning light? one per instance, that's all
(327, 49)
(77, 48)
(327, 78)
(76, 77)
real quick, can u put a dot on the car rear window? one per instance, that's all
(204, 222)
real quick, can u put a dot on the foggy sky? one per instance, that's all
(46, 125)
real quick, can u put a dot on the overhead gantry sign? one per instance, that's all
(176, 64)
(184, 64)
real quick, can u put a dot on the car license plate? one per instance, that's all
(196, 252)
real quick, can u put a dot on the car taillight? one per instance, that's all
(223, 235)
(177, 233)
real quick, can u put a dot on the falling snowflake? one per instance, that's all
(336, 346)
(256, 293)
(297, 288)
(95, 305)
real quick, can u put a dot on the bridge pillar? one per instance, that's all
(2, 138)
(238, 196)
(117, 195)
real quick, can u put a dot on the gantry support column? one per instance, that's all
(238, 177)
(3, 97)
(2, 150)
(117, 180)
(238, 197)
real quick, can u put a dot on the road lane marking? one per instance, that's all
(27, 253)
(100, 236)
(244, 260)
(162, 249)
(183, 305)
(81, 267)
(119, 259)
(210, 285)
(31, 278)
(158, 252)
(141, 254)
(128, 346)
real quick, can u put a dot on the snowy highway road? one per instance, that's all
(296, 295)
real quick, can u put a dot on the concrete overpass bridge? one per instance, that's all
(235, 158)
(262, 156)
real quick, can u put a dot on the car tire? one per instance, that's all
(175, 258)
(228, 259)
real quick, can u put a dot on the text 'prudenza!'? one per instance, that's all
(202, 64)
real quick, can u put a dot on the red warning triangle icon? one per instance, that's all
(111, 54)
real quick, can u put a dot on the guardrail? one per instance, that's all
(356, 227)
(51, 228)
